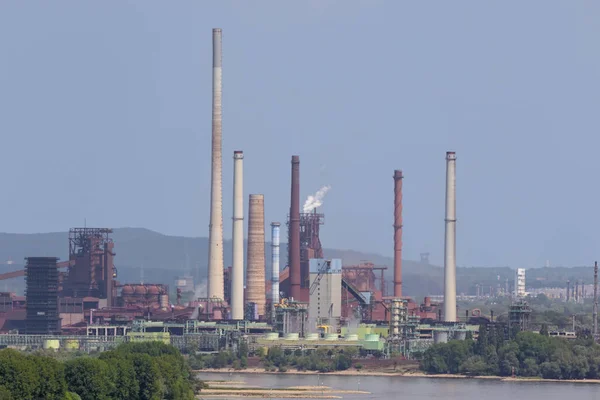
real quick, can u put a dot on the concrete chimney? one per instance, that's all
(595, 310)
(237, 270)
(275, 227)
(255, 278)
(294, 236)
(215, 236)
(398, 233)
(450, 242)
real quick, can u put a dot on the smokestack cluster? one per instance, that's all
(215, 236)
(275, 227)
(255, 278)
(237, 270)
(398, 233)
(450, 240)
(294, 237)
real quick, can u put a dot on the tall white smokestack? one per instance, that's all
(275, 262)
(237, 270)
(450, 245)
(215, 236)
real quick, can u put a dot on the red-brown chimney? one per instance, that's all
(294, 245)
(398, 233)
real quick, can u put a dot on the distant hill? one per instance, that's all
(162, 258)
(146, 255)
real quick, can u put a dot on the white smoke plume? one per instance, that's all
(316, 200)
(201, 290)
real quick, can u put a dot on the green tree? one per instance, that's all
(123, 375)
(530, 367)
(5, 393)
(175, 376)
(509, 359)
(18, 374)
(242, 350)
(550, 370)
(148, 377)
(52, 383)
(89, 378)
(342, 362)
(474, 366)
(482, 340)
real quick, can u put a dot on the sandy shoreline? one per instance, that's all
(394, 374)
(218, 389)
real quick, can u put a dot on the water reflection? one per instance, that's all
(404, 388)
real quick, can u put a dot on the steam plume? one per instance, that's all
(315, 201)
(201, 290)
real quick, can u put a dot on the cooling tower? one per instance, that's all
(398, 233)
(215, 236)
(294, 235)
(237, 270)
(450, 241)
(275, 226)
(255, 276)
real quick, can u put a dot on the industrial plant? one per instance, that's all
(307, 300)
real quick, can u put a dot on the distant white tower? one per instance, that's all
(450, 242)
(275, 226)
(520, 282)
(237, 270)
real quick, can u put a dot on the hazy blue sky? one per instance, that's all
(105, 114)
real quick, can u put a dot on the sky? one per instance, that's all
(105, 119)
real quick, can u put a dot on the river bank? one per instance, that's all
(409, 374)
(228, 389)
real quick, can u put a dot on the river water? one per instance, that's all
(404, 388)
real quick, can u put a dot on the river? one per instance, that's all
(404, 388)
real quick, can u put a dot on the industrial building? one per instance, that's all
(313, 301)
(42, 296)
(325, 291)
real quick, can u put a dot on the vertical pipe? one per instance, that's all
(294, 245)
(255, 279)
(237, 270)
(109, 272)
(450, 242)
(215, 239)
(275, 227)
(398, 233)
(595, 313)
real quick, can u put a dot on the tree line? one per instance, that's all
(132, 371)
(526, 354)
(277, 359)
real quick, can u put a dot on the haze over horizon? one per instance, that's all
(106, 117)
